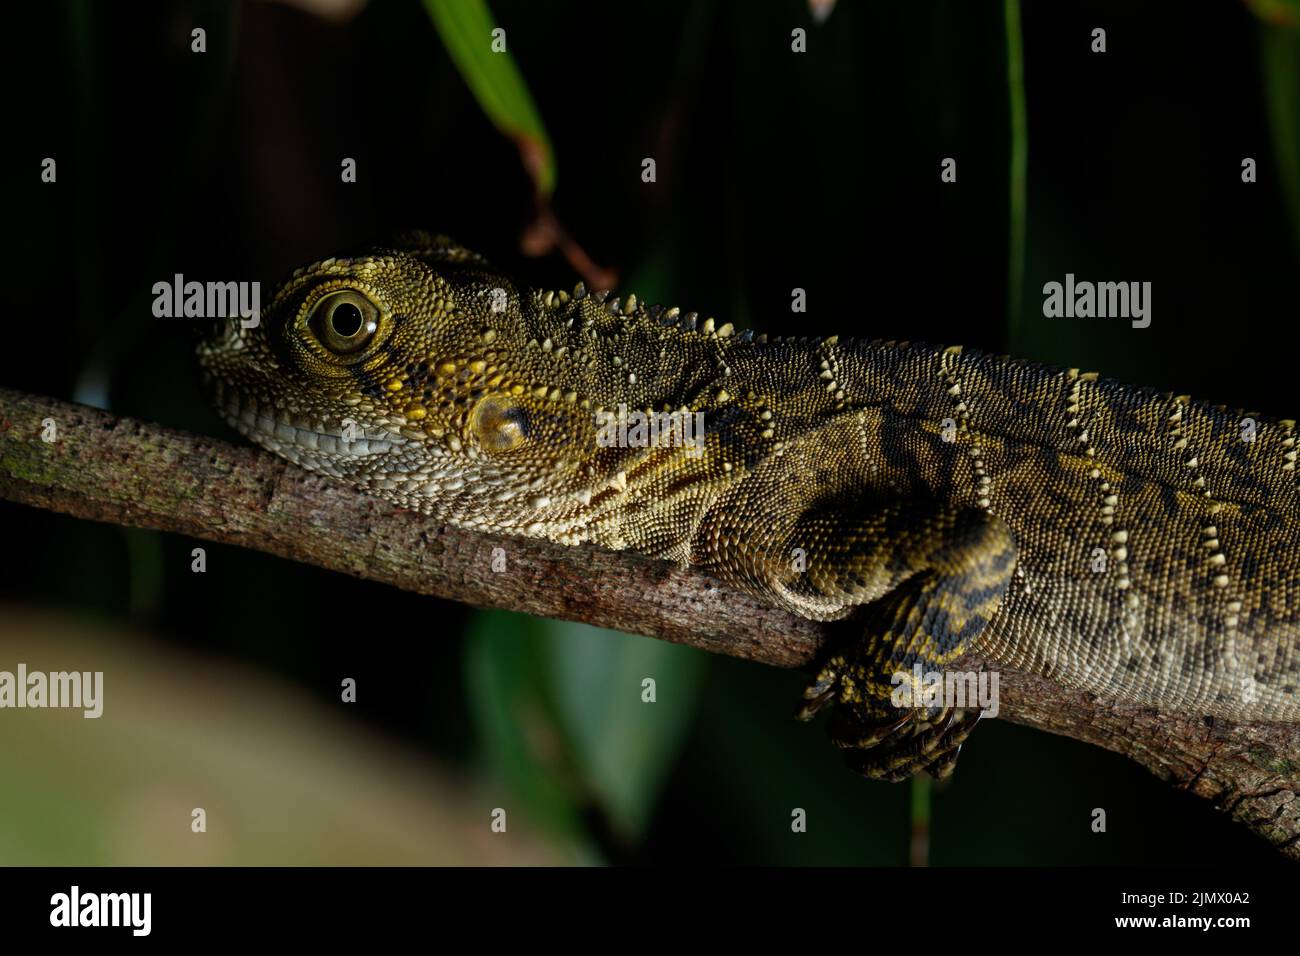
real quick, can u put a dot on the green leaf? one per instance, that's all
(518, 733)
(1280, 62)
(1019, 165)
(563, 724)
(466, 29)
(623, 745)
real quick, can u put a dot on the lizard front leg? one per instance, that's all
(930, 577)
(952, 568)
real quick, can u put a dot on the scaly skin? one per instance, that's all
(1126, 542)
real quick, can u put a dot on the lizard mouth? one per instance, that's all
(310, 439)
(286, 432)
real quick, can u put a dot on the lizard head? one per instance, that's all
(414, 373)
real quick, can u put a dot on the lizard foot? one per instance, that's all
(883, 742)
(896, 710)
(917, 743)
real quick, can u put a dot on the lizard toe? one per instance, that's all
(900, 748)
(822, 689)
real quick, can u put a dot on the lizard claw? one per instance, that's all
(820, 691)
(942, 768)
(882, 742)
(920, 744)
(867, 736)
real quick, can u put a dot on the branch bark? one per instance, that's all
(127, 472)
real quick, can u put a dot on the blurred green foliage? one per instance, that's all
(282, 779)
(1280, 62)
(562, 714)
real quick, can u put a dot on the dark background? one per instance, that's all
(775, 171)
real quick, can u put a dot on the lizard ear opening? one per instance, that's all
(499, 424)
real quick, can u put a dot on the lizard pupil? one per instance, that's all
(346, 320)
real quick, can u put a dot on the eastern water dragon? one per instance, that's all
(1135, 544)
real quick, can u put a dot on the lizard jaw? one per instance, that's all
(308, 441)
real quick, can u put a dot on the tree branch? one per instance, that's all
(132, 473)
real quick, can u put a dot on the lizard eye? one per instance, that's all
(344, 321)
(499, 424)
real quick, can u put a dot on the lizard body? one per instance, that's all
(1127, 542)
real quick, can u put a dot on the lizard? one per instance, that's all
(1128, 542)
